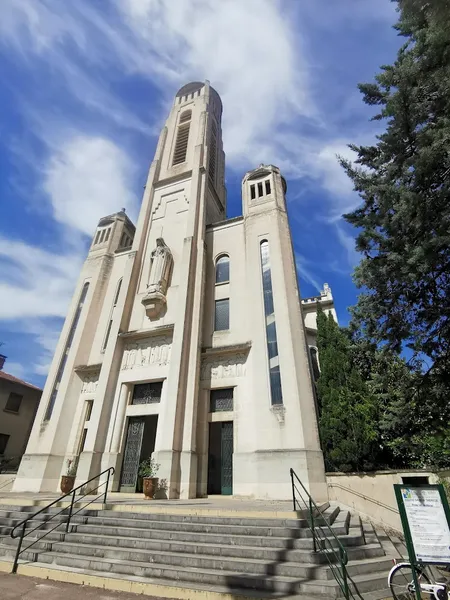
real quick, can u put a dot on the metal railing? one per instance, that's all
(364, 497)
(325, 540)
(20, 530)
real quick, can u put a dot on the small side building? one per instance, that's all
(310, 306)
(19, 402)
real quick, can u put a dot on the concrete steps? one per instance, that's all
(238, 554)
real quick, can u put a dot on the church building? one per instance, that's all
(186, 337)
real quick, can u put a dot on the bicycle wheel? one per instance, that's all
(401, 581)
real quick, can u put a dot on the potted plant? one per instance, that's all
(147, 470)
(68, 480)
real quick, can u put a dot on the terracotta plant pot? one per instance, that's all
(150, 487)
(67, 483)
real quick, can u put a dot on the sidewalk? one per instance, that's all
(17, 587)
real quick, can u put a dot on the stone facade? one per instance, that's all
(186, 337)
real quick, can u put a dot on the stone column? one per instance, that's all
(111, 457)
(120, 418)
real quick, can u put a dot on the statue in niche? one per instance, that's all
(161, 263)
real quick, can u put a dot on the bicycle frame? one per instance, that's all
(428, 588)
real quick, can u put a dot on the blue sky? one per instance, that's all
(86, 86)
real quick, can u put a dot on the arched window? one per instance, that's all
(314, 362)
(223, 269)
(181, 145)
(185, 116)
(116, 295)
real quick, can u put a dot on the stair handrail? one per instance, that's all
(23, 524)
(319, 543)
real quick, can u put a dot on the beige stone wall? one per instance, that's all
(6, 482)
(372, 494)
(17, 425)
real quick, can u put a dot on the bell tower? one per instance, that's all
(185, 192)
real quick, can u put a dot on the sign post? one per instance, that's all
(425, 517)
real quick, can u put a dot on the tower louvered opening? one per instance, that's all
(179, 156)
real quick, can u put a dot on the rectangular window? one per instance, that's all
(221, 400)
(102, 237)
(3, 442)
(83, 440)
(108, 231)
(147, 393)
(267, 186)
(13, 403)
(108, 331)
(89, 405)
(260, 189)
(97, 237)
(252, 192)
(222, 315)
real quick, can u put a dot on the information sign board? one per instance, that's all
(425, 518)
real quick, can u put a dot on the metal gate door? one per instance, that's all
(130, 465)
(227, 458)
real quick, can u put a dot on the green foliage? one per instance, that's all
(148, 468)
(404, 236)
(347, 410)
(404, 183)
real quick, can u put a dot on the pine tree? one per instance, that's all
(404, 228)
(404, 183)
(347, 410)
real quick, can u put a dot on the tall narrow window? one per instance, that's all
(102, 237)
(222, 315)
(271, 328)
(62, 363)
(111, 315)
(116, 297)
(252, 192)
(82, 441)
(181, 145)
(89, 405)
(223, 269)
(314, 362)
(97, 237)
(213, 152)
(260, 189)
(108, 331)
(267, 183)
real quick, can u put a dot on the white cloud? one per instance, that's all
(248, 50)
(16, 369)
(44, 281)
(87, 178)
(305, 271)
(253, 52)
(76, 41)
(348, 243)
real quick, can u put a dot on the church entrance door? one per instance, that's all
(220, 458)
(139, 445)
